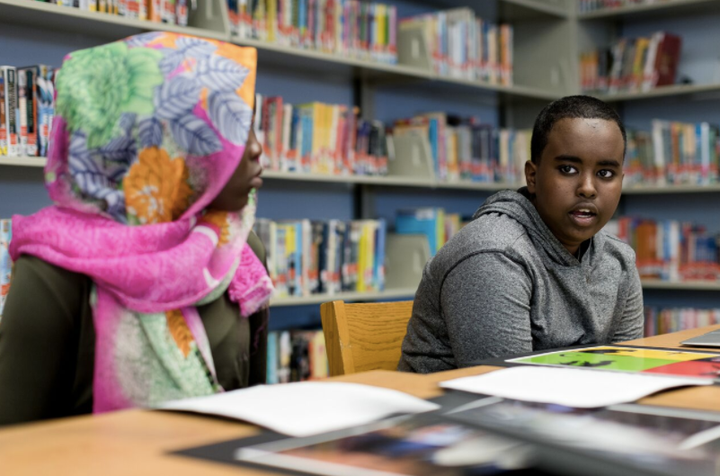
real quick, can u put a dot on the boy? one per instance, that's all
(533, 270)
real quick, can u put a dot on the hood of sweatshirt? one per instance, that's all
(517, 205)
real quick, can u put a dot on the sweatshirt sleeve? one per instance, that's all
(39, 341)
(633, 317)
(486, 306)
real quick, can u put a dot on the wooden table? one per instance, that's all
(137, 441)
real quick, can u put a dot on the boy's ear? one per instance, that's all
(530, 175)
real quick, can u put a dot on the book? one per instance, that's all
(632, 64)
(10, 105)
(423, 221)
(5, 261)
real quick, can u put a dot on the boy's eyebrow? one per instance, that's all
(568, 158)
(578, 160)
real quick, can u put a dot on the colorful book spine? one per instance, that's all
(5, 262)
(271, 369)
(3, 117)
(10, 106)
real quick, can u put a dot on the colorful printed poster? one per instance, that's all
(632, 359)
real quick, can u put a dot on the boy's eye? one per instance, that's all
(605, 173)
(567, 169)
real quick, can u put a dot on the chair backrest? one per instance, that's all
(366, 336)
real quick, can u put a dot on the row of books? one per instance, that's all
(673, 153)
(27, 106)
(354, 28)
(162, 11)
(631, 64)
(663, 321)
(585, 6)
(307, 257)
(5, 262)
(434, 223)
(669, 249)
(463, 149)
(295, 356)
(462, 45)
(319, 138)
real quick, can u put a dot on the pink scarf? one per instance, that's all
(131, 178)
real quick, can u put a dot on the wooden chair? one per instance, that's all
(366, 336)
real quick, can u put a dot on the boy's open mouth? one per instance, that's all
(584, 215)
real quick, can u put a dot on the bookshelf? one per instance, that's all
(23, 161)
(208, 22)
(670, 189)
(271, 53)
(657, 284)
(662, 92)
(549, 35)
(396, 181)
(388, 294)
(690, 103)
(399, 181)
(518, 9)
(657, 9)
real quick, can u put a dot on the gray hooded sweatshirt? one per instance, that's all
(504, 285)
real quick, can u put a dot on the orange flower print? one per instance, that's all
(179, 331)
(156, 188)
(220, 221)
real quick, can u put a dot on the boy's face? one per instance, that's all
(578, 180)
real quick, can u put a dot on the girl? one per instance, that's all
(140, 285)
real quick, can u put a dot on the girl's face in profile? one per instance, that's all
(245, 178)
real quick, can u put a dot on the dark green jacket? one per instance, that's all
(47, 342)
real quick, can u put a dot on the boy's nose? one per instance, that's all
(586, 187)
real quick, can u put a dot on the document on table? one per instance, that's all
(306, 408)
(577, 388)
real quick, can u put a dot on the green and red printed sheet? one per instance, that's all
(630, 359)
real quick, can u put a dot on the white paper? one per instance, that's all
(576, 388)
(306, 408)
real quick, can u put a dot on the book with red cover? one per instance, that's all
(666, 60)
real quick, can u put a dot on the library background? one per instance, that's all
(386, 125)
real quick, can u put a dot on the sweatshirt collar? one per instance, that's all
(517, 205)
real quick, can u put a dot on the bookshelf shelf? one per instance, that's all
(666, 8)
(410, 292)
(391, 181)
(318, 60)
(273, 51)
(520, 9)
(23, 161)
(353, 296)
(349, 179)
(685, 285)
(383, 181)
(669, 189)
(32, 13)
(515, 90)
(663, 91)
(479, 186)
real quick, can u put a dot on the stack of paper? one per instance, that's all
(569, 387)
(306, 408)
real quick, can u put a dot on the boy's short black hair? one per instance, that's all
(573, 107)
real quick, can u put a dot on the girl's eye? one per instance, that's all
(567, 169)
(606, 173)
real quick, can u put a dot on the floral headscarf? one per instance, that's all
(148, 132)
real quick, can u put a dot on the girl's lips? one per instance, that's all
(256, 182)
